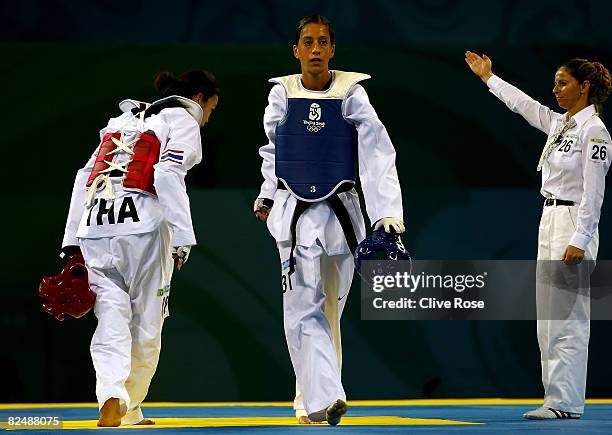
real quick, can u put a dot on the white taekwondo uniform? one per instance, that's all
(126, 236)
(314, 296)
(574, 171)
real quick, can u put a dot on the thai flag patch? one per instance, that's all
(175, 156)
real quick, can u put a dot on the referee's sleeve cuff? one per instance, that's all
(580, 241)
(494, 82)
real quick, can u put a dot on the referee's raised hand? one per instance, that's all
(481, 66)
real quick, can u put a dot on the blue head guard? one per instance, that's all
(384, 249)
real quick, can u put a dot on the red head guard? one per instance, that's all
(68, 292)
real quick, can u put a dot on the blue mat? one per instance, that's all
(490, 419)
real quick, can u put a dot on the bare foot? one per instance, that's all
(305, 420)
(110, 414)
(335, 411)
(145, 422)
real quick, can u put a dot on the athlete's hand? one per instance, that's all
(481, 66)
(182, 253)
(393, 225)
(573, 255)
(262, 208)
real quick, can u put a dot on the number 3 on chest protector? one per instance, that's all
(127, 210)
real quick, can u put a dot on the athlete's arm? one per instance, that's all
(180, 153)
(277, 106)
(376, 154)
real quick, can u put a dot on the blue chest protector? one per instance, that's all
(316, 149)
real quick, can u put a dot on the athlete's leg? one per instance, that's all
(308, 331)
(111, 342)
(336, 276)
(149, 286)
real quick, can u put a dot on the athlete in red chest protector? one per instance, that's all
(130, 216)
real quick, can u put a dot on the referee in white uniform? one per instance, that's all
(574, 164)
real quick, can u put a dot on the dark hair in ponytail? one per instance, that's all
(598, 77)
(187, 85)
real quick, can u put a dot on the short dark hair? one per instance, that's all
(598, 76)
(320, 19)
(188, 84)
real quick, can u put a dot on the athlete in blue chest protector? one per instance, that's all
(322, 131)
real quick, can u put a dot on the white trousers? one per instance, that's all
(313, 301)
(131, 278)
(563, 343)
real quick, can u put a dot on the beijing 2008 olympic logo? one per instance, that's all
(315, 112)
(313, 124)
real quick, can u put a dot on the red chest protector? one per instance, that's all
(139, 171)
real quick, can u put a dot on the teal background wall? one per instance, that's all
(466, 164)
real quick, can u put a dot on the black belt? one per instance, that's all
(555, 202)
(341, 213)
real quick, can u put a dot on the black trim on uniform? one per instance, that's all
(154, 109)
